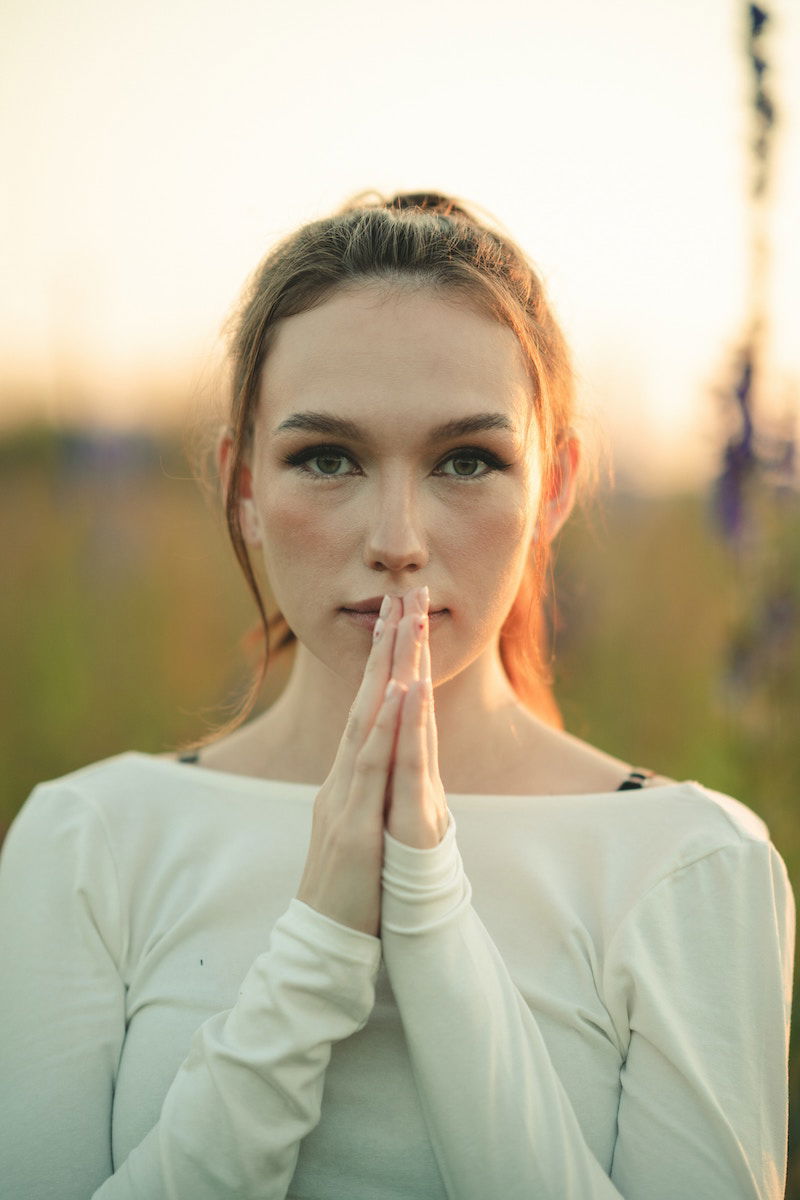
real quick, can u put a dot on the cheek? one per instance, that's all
(499, 530)
(494, 535)
(298, 545)
(490, 537)
(286, 522)
(487, 552)
(294, 522)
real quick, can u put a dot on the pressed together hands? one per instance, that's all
(385, 774)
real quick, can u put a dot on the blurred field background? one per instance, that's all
(123, 613)
(647, 156)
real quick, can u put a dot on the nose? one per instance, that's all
(394, 539)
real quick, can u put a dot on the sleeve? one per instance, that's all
(248, 1091)
(702, 971)
(703, 1107)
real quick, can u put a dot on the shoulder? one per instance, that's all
(691, 818)
(98, 782)
(694, 807)
(59, 844)
(727, 814)
(706, 868)
(74, 790)
(131, 769)
(717, 848)
(131, 818)
(107, 797)
(710, 928)
(736, 846)
(644, 837)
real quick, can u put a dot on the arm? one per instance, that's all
(699, 972)
(703, 966)
(251, 1085)
(250, 1088)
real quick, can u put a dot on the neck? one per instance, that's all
(479, 720)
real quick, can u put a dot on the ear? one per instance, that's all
(560, 499)
(248, 515)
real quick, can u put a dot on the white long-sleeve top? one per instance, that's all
(574, 997)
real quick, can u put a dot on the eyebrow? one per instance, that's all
(333, 426)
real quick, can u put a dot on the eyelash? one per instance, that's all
(301, 457)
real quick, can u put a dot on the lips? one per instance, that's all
(371, 605)
(369, 618)
(374, 605)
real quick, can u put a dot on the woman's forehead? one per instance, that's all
(369, 352)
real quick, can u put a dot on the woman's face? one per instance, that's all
(358, 486)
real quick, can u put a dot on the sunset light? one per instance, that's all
(154, 152)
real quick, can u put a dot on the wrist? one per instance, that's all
(422, 887)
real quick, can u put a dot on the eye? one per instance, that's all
(325, 455)
(468, 458)
(463, 461)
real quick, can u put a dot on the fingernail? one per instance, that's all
(386, 605)
(425, 598)
(377, 629)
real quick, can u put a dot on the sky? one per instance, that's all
(154, 151)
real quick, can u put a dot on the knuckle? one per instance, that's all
(353, 730)
(324, 798)
(367, 763)
(385, 719)
(408, 758)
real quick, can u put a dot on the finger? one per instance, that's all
(426, 673)
(406, 816)
(372, 763)
(432, 733)
(377, 673)
(409, 639)
(411, 754)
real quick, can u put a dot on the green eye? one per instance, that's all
(327, 458)
(330, 455)
(468, 459)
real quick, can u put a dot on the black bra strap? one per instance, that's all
(636, 779)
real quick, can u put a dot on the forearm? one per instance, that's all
(498, 1116)
(234, 1116)
(251, 1086)
(697, 983)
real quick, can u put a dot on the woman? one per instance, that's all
(400, 935)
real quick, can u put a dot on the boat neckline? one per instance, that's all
(258, 781)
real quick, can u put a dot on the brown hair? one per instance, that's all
(429, 239)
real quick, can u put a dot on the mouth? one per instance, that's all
(368, 617)
(373, 605)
